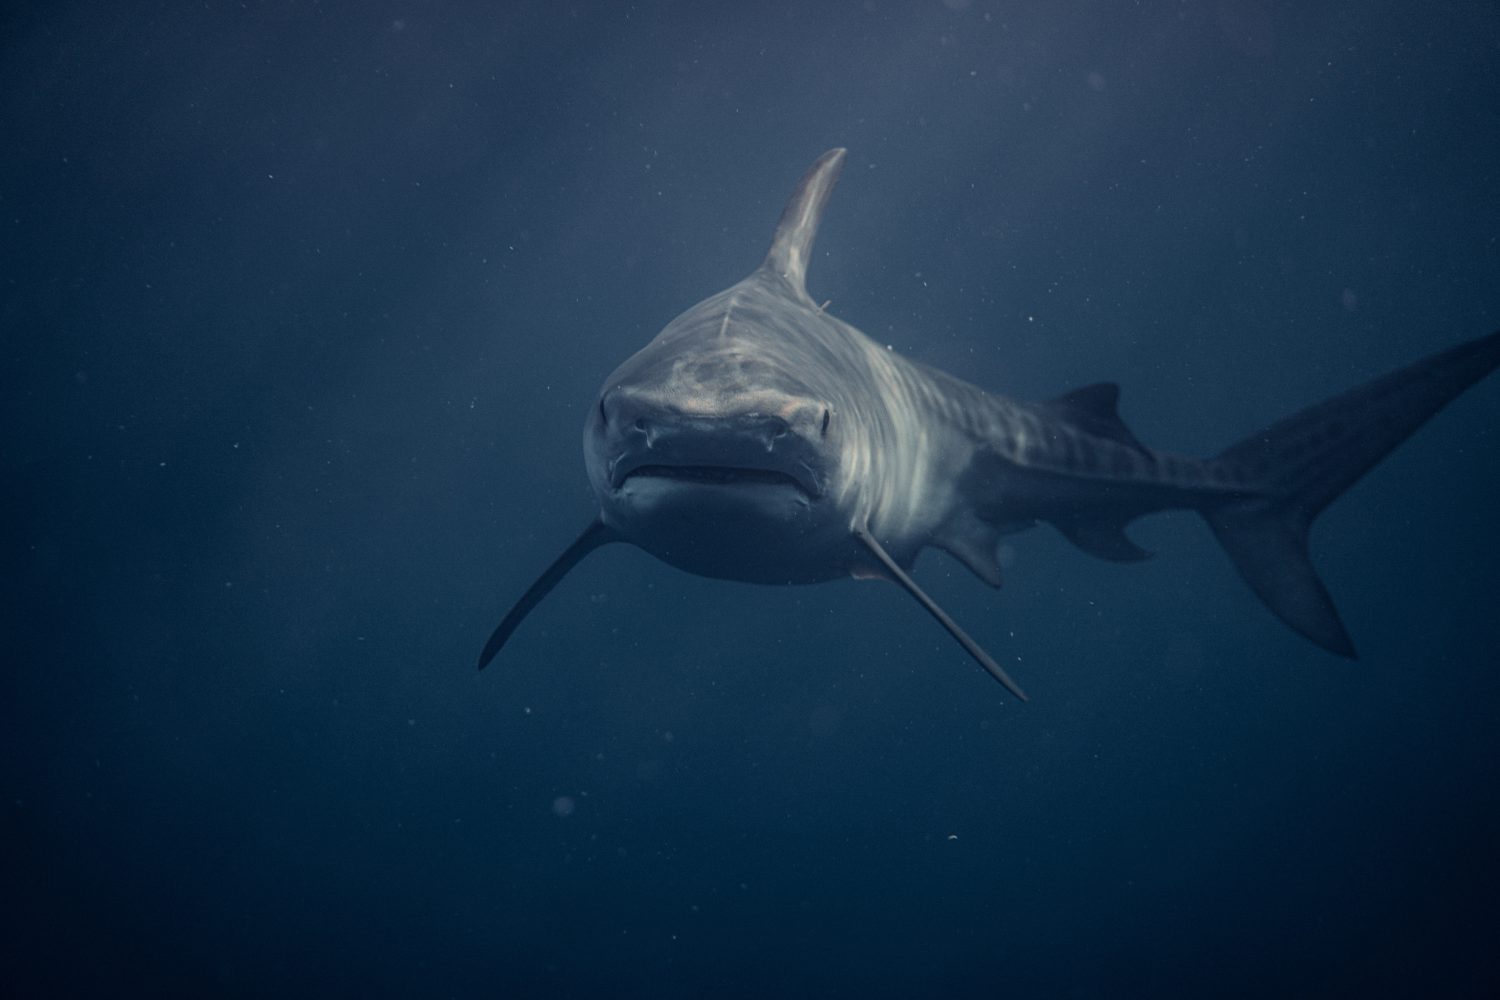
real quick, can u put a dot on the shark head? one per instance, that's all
(711, 418)
(718, 446)
(710, 449)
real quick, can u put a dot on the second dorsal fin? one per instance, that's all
(1093, 408)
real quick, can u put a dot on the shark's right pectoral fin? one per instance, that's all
(595, 535)
(899, 575)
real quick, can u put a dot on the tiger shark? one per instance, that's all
(759, 438)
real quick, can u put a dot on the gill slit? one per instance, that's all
(728, 312)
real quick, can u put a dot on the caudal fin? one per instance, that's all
(1296, 467)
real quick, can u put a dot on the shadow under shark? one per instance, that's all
(759, 438)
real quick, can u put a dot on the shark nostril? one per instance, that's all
(826, 416)
(776, 429)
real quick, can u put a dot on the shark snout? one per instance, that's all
(645, 421)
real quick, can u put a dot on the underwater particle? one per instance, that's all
(563, 806)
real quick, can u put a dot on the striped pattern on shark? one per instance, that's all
(759, 438)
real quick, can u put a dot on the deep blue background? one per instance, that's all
(304, 306)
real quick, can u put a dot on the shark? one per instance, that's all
(759, 438)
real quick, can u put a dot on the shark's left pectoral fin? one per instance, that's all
(899, 575)
(595, 535)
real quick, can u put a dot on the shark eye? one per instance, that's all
(826, 415)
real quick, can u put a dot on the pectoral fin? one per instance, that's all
(595, 535)
(970, 646)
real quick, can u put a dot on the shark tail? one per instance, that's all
(1295, 468)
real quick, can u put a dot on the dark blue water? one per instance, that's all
(304, 306)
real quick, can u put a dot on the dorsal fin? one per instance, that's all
(792, 245)
(1092, 408)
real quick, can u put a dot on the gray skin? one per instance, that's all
(759, 438)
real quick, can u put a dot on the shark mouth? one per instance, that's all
(720, 475)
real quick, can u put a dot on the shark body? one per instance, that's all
(759, 438)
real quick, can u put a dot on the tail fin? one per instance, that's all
(1295, 468)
